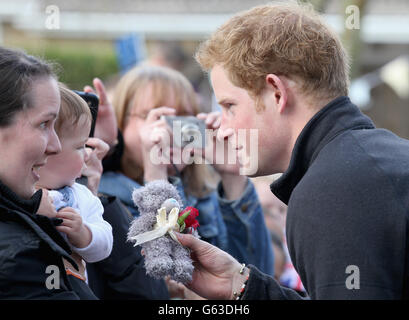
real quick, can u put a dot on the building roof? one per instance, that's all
(385, 21)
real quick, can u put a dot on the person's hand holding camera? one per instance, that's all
(217, 153)
(213, 145)
(155, 136)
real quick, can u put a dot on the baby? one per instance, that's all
(89, 235)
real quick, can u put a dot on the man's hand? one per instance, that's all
(178, 290)
(216, 274)
(78, 234)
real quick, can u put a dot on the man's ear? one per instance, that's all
(278, 91)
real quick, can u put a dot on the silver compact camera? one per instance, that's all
(187, 130)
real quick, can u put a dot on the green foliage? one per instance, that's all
(78, 65)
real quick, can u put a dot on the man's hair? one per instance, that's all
(73, 107)
(287, 39)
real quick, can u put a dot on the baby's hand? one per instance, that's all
(46, 207)
(78, 234)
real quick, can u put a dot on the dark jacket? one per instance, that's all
(31, 251)
(122, 275)
(347, 190)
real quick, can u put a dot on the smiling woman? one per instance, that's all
(30, 138)
(29, 243)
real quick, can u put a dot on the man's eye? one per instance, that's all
(229, 108)
(44, 124)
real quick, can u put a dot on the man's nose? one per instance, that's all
(87, 154)
(224, 133)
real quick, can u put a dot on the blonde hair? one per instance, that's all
(199, 178)
(163, 81)
(287, 39)
(73, 107)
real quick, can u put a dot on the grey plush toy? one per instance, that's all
(164, 255)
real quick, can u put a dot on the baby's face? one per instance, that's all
(64, 168)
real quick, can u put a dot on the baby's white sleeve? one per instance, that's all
(91, 211)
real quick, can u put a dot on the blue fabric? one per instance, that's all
(67, 198)
(236, 227)
(248, 234)
(116, 184)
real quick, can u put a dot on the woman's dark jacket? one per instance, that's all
(31, 251)
(122, 275)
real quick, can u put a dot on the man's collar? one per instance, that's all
(336, 117)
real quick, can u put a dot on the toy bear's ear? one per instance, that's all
(137, 196)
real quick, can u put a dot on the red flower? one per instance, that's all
(190, 217)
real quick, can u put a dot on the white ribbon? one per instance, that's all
(161, 227)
